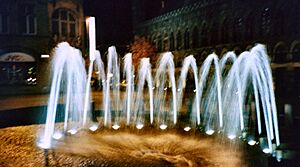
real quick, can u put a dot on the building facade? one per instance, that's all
(200, 27)
(29, 29)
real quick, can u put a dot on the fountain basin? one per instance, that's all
(125, 147)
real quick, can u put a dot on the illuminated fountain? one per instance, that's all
(69, 80)
(217, 103)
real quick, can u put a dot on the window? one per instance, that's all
(237, 30)
(159, 43)
(296, 52)
(172, 46)
(204, 41)
(214, 36)
(178, 41)
(249, 24)
(64, 23)
(280, 53)
(279, 22)
(195, 38)
(224, 32)
(186, 39)
(28, 20)
(4, 21)
(265, 22)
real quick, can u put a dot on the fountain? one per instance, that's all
(69, 79)
(215, 101)
(223, 101)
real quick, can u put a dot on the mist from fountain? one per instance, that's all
(218, 101)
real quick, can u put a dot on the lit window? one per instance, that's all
(64, 23)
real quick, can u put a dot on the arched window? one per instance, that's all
(296, 52)
(249, 25)
(280, 53)
(64, 23)
(195, 38)
(296, 57)
(171, 38)
(186, 39)
(204, 41)
(178, 41)
(278, 28)
(237, 29)
(214, 37)
(166, 45)
(159, 43)
(224, 31)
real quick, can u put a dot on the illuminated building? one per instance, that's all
(28, 31)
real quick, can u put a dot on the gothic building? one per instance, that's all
(29, 29)
(200, 27)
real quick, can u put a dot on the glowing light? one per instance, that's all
(279, 155)
(266, 150)
(90, 22)
(45, 56)
(194, 90)
(187, 129)
(44, 145)
(29, 79)
(163, 127)
(165, 88)
(57, 135)
(34, 79)
(231, 137)
(178, 90)
(110, 75)
(96, 72)
(116, 127)
(123, 83)
(93, 128)
(210, 132)
(72, 131)
(251, 142)
(139, 126)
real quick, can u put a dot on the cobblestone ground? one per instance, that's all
(115, 148)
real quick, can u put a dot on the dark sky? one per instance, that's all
(113, 21)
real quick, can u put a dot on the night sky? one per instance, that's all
(113, 21)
